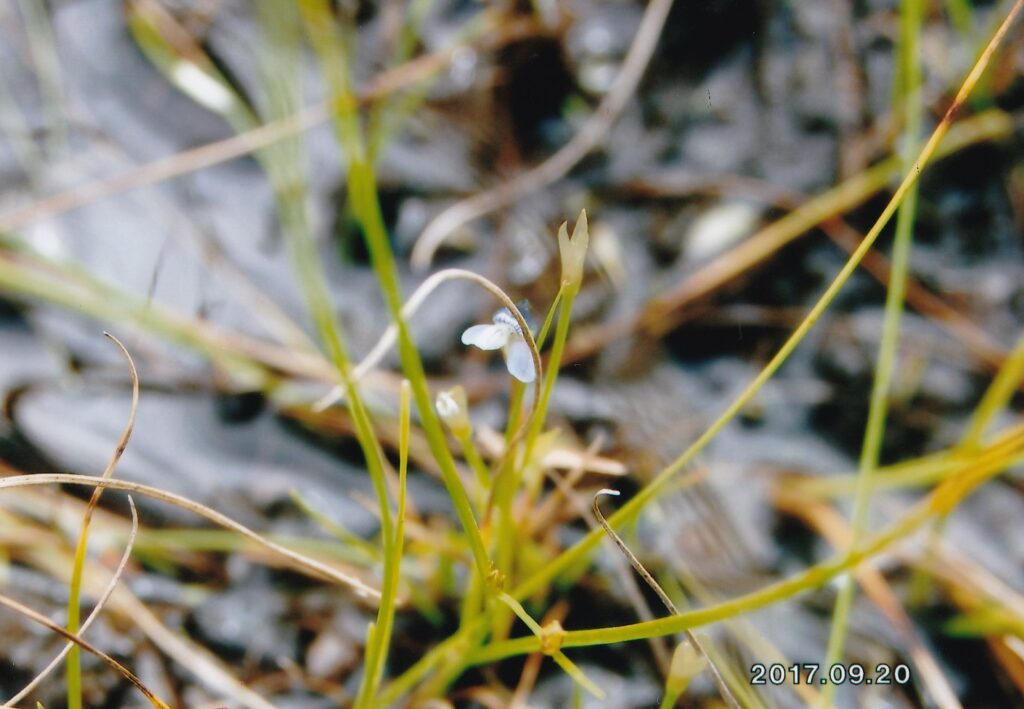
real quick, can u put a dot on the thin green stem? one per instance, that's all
(510, 474)
(549, 318)
(557, 655)
(479, 468)
(911, 474)
(515, 411)
(283, 165)
(939, 503)
(286, 172)
(74, 659)
(366, 209)
(291, 207)
(74, 666)
(812, 578)
(1005, 384)
(554, 364)
(472, 599)
(669, 699)
(380, 637)
(912, 14)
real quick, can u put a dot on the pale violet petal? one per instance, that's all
(486, 337)
(519, 361)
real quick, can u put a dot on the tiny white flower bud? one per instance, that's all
(573, 252)
(453, 409)
(687, 663)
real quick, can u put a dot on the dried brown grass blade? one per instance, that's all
(39, 618)
(100, 604)
(300, 561)
(723, 688)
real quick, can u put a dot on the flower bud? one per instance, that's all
(573, 251)
(453, 409)
(687, 663)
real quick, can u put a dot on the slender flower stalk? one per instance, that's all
(573, 251)
(453, 409)
(912, 15)
(687, 663)
(379, 634)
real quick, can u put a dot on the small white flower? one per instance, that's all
(505, 334)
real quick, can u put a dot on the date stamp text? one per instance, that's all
(812, 673)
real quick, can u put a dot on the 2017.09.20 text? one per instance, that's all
(811, 673)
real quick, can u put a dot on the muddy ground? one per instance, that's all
(744, 110)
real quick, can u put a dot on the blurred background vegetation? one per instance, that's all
(245, 193)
